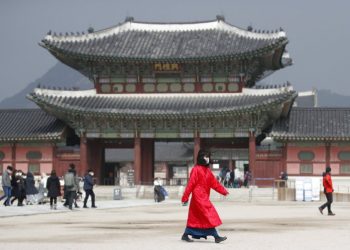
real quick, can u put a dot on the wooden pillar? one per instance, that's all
(137, 160)
(252, 153)
(167, 173)
(13, 155)
(83, 155)
(147, 159)
(54, 157)
(95, 159)
(328, 154)
(197, 147)
(284, 158)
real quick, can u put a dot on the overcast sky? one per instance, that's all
(318, 31)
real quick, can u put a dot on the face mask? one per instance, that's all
(91, 173)
(206, 158)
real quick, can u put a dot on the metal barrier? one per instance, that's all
(254, 189)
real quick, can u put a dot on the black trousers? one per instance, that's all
(53, 200)
(89, 192)
(329, 197)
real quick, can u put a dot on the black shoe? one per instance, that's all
(331, 214)
(321, 210)
(85, 206)
(186, 238)
(93, 206)
(219, 239)
(76, 206)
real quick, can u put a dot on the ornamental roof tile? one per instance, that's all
(29, 125)
(314, 124)
(160, 105)
(161, 41)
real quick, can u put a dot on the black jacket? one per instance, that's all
(30, 184)
(53, 186)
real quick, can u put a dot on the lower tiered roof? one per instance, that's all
(314, 124)
(142, 106)
(25, 125)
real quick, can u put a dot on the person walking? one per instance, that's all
(202, 216)
(54, 189)
(70, 187)
(18, 188)
(88, 188)
(328, 191)
(6, 185)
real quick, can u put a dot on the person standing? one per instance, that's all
(6, 185)
(54, 189)
(328, 191)
(70, 187)
(202, 216)
(88, 188)
(31, 191)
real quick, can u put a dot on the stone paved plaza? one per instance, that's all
(142, 224)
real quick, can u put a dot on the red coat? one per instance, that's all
(202, 213)
(327, 183)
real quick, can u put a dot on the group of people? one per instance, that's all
(20, 186)
(232, 178)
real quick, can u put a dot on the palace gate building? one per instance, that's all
(161, 84)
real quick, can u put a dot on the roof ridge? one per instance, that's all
(21, 110)
(130, 25)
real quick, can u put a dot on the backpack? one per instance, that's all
(69, 180)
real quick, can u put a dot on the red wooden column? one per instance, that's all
(197, 147)
(83, 155)
(54, 157)
(137, 160)
(13, 155)
(328, 154)
(147, 159)
(252, 153)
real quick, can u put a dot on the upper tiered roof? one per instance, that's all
(137, 41)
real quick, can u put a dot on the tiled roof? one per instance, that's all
(159, 41)
(160, 105)
(29, 125)
(314, 124)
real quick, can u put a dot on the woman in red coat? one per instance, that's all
(328, 191)
(202, 216)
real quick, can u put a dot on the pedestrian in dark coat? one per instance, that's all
(54, 189)
(31, 190)
(88, 188)
(202, 216)
(18, 188)
(14, 185)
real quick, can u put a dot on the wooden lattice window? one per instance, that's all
(306, 155)
(345, 168)
(344, 155)
(34, 155)
(2, 155)
(306, 168)
(34, 168)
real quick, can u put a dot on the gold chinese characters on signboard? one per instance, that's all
(166, 67)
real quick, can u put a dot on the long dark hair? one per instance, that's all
(200, 157)
(53, 173)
